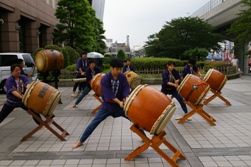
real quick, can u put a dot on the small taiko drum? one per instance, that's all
(133, 79)
(149, 113)
(96, 84)
(215, 79)
(78, 80)
(49, 60)
(41, 98)
(193, 89)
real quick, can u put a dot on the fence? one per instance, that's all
(155, 73)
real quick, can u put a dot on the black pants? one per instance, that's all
(6, 110)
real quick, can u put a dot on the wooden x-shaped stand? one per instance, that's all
(97, 108)
(216, 94)
(197, 109)
(49, 120)
(155, 142)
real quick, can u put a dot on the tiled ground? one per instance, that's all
(226, 144)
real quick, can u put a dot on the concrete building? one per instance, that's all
(99, 7)
(26, 25)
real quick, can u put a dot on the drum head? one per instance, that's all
(52, 103)
(208, 74)
(131, 97)
(183, 82)
(164, 118)
(28, 92)
(136, 81)
(41, 61)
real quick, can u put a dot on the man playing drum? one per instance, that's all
(81, 67)
(16, 85)
(128, 66)
(90, 73)
(170, 82)
(191, 68)
(115, 88)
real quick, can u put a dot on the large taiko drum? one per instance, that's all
(41, 98)
(133, 79)
(96, 84)
(149, 108)
(193, 89)
(49, 60)
(215, 79)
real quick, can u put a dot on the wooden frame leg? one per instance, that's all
(49, 120)
(216, 94)
(156, 141)
(97, 108)
(200, 111)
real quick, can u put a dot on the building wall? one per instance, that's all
(29, 22)
(99, 7)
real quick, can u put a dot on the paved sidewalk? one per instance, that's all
(228, 144)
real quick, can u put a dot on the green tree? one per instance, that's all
(121, 54)
(77, 27)
(183, 34)
(198, 53)
(241, 28)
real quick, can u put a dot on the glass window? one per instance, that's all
(8, 60)
(28, 60)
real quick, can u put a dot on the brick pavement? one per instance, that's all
(227, 144)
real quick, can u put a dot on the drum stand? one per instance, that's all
(97, 108)
(216, 94)
(200, 111)
(49, 120)
(155, 142)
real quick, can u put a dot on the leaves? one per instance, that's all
(183, 34)
(78, 26)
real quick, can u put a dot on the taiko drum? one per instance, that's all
(41, 98)
(149, 108)
(193, 89)
(49, 60)
(96, 84)
(215, 79)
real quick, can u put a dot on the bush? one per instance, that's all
(71, 67)
(73, 55)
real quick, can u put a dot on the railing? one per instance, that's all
(207, 7)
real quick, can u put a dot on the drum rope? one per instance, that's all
(200, 84)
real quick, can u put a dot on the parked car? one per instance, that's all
(216, 57)
(7, 59)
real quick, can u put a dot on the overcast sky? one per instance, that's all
(141, 18)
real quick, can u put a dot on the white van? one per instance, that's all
(7, 59)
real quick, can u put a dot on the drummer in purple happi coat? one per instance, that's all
(115, 89)
(128, 66)
(16, 85)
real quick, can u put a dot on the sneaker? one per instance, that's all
(73, 95)
(177, 118)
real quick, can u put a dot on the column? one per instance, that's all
(32, 35)
(46, 35)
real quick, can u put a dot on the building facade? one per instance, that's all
(99, 7)
(26, 25)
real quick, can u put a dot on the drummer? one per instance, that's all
(128, 66)
(191, 68)
(115, 88)
(90, 73)
(20, 63)
(170, 82)
(16, 85)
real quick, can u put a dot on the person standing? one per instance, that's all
(249, 65)
(170, 82)
(90, 73)
(235, 62)
(115, 89)
(128, 66)
(81, 67)
(20, 63)
(191, 68)
(16, 85)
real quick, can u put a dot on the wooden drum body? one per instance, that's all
(193, 89)
(149, 109)
(133, 79)
(215, 79)
(41, 98)
(49, 60)
(96, 84)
